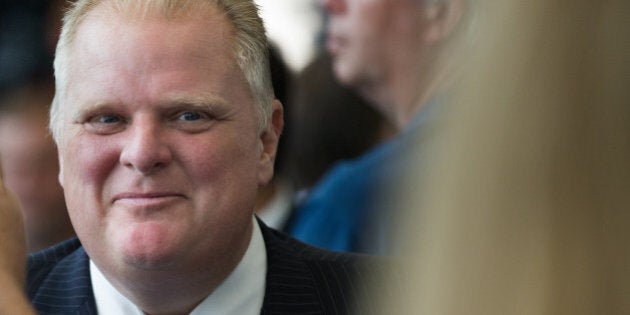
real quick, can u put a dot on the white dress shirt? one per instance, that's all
(241, 293)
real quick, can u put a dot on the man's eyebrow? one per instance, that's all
(87, 109)
(203, 101)
(92, 106)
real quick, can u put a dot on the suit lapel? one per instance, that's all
(289, 286)
(302, 279)
(65, 288)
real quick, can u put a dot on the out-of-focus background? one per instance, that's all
(30, 27)
(295, 26)
(515, 201)
(28, 34)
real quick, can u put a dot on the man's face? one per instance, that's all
(371, 39)
(161, 155)
(357, 38)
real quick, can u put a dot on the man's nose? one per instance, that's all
(333, 6)
(145, 149)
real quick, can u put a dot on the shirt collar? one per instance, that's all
(242, 292)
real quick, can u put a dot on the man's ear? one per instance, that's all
(270, 138)
(442, 18)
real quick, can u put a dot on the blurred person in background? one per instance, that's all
(393, 53)
(324, 123)
(28, 34)
(30, 167)
(330, 123)
(526, 206)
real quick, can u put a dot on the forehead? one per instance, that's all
(195, 30)
(155, 53)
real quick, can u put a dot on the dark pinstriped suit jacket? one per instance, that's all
(300, 279)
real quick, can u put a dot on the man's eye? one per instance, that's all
(189, 116)
(108, 119)
(105, 124)
(192, 121)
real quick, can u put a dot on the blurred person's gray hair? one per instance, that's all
(250, 44)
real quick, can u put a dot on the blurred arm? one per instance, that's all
(12, 256)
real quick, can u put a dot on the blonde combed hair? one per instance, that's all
(250, 44)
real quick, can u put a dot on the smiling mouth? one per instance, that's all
(146, 199)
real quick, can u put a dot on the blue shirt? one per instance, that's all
(347, 209)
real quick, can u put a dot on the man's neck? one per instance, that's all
(398, 99)
(404, 93)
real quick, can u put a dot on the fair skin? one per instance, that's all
(387, 50)
(161, 154)
(29, 160)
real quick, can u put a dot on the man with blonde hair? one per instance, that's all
(166, 125)
(397, 54)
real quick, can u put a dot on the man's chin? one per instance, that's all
(149, 261)
(342, 72)
(150, 247)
